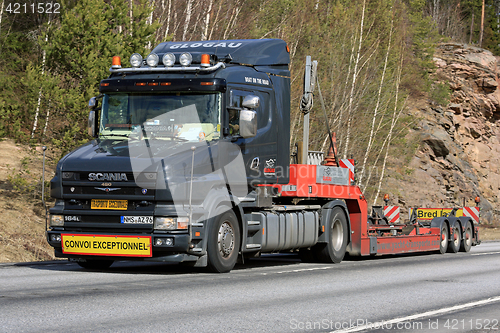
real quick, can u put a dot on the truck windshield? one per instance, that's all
(180, 116)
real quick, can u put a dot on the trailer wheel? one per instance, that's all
(467, 241)
(443, 245)
(95, 264)
(334, 250)
(455, 240)
(223, 242)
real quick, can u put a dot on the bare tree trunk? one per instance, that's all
(150, 20)
(435, 11)
(168, 19)
(482, 26)
(188, 18)
(471, 28)
(232, 20)
(215, 21)
(37, 112)
(354, 76)
(207, 20)
(377, 105)
(1, 13)
(395, 117)
(46, 120)
(131, 14)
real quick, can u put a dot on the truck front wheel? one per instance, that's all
(334, 251)
(223, 242)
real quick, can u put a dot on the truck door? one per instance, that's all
(259, 152)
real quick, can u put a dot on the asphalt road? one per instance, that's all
(414, 293)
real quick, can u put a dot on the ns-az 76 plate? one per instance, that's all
(136, 219)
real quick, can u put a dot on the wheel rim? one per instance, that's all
(444, 237)
(468, 237)
(456, 237)
(225, 239)
(337, 235)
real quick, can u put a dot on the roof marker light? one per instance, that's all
(152, 60)
(140, 83)
(136, 60)
(206, 83)
(205, 60)
(116, 62)
(168, 59)
(165, 84)
(185, 59)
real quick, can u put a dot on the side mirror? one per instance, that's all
(248, 123)
(251, 102)
(91, 124)
(92, 103)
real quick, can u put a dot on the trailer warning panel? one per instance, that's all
(430, 213)
(107, 245)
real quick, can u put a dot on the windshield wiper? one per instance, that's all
(113, 134)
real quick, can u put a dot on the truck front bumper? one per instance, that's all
(119, 246)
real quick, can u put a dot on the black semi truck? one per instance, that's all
(190, 163)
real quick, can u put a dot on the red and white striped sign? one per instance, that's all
(392, 213)
(473, 213)
(349, 164)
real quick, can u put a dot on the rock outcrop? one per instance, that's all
(459, 155)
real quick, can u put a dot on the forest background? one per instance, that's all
(374, 56)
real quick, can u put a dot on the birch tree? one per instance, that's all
(188, 18)
(353, 84)
(377, 105)
(394, 120)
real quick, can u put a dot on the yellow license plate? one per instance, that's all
(109, 204)
(107, 245)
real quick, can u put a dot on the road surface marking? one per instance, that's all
(420, 315)
(484, 253)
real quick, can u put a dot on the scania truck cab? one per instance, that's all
(184, 137)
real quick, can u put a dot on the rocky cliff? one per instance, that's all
(459, 152)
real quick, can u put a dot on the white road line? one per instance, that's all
(420, 315)
(304, 270)
(484, 253)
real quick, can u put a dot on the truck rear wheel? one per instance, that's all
(95, 264)
(443, 245)
(334, 251)
(223, 242)
(454, 245)
(467, 241)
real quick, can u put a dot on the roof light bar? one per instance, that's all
(168, 69)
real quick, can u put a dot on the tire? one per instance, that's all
(467, 239)
(334, 251)
(455, 241)
(443, 245)
(223, 242)
(95, 264)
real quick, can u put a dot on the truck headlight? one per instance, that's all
(56, 220)
(171, 223)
